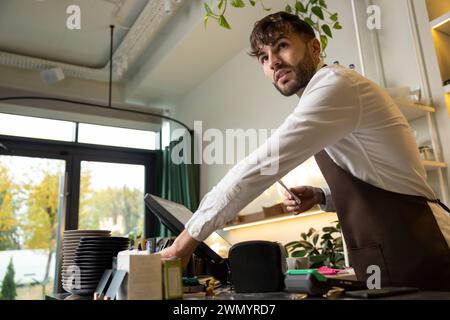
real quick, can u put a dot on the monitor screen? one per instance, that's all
(174, 216)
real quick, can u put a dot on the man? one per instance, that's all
(366, 152)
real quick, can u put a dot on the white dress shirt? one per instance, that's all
(360, 127)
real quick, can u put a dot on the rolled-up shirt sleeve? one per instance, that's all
(329, 204)
(328, 110)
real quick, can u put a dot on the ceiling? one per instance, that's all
(40, 29)
(158, 58)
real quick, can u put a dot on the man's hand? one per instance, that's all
(183, 247)
(309, 196)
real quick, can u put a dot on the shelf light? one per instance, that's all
(441, 23)
(257, 223)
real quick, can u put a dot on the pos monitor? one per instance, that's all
(174, 216)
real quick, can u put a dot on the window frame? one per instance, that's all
(73, 153)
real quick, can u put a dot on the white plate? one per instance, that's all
(71, 243)
(71, 247)
(86, 277)
(76, 232)
(83, 284)
(78, 236)
(71, 240)
(80, 292)
(97, 274)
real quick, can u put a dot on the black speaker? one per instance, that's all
(257, 266)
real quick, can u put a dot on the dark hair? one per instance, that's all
(267, 30)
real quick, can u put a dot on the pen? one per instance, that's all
(297, 199)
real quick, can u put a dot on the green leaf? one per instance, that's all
(318, 12)
(329, 229)
(310, 22)
(315, 239)
(298, 253)
(288, 9)
(220, 5)
(252, 2)
(317, 261)
(324, 41)
(326, 236)
(327, 31)
(323, 4)
(292, 243)
(334, 17)
(311, 231)
(295, 246)
(338, 27)
(208, 10)
(306, 244)
(223, 22)
(237, 3)
(303, 235)
(314, 1)
(206, 20)
(300, 7)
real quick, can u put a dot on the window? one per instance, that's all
(29, 211)
(111, 197)
(31, 174)
(119, 137)
(40, 128)
(31, 127)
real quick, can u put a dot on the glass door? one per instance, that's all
(111, 197)
(30, 207)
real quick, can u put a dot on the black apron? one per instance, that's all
(396, 232)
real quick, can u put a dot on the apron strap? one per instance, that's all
(439, 202)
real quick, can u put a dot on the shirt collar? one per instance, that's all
(320, 65)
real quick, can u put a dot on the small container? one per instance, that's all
(426, 153)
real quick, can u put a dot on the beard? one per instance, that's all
(303, 71)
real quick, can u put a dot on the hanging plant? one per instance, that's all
(313, 12)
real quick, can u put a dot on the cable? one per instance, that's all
(96, 106)
(111, 65)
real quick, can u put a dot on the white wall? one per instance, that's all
(433, 75)
(239, 96)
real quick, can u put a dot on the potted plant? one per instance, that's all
(328, 252)
(313, 12)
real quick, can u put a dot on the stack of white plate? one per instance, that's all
(70, 246)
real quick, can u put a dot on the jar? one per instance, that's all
(426, 152)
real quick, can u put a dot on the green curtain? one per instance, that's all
(179, 182)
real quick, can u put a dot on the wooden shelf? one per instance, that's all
(442, 23)
(281, 217)
(433, 165)
(414, 111)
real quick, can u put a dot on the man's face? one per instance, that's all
(290, 62)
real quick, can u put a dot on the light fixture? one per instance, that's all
(288, 217)
(441, 23)
(52, 75)
(168, 6)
